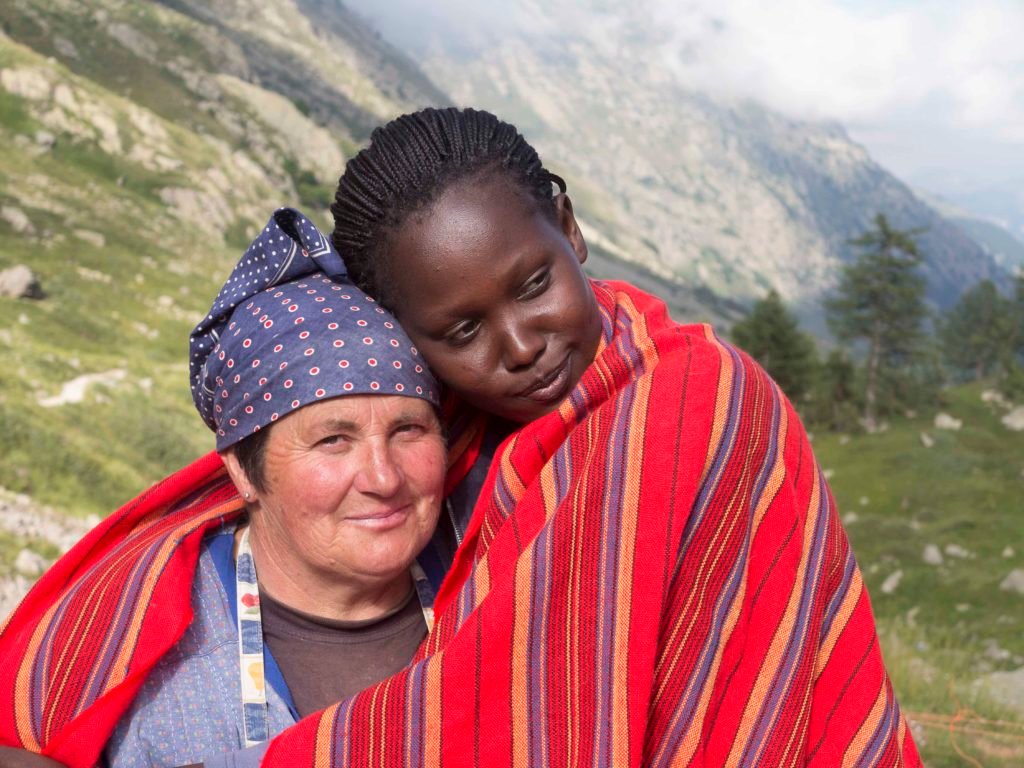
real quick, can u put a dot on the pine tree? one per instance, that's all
(880, 299)
(979, 332)
(771, 335)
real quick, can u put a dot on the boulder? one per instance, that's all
(927, 440)
(29, 563)
(1014, 582)
(932, 555)
(1014, 420)
(945, 421)
(995, 397)
(955, 550)
(892, 581)
(20, 282)
(16, 217)
(1005, 687)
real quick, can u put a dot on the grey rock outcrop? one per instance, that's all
(1014, 582)
(20, 282)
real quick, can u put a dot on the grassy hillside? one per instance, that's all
(945, 626)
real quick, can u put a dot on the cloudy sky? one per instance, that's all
(933, 88)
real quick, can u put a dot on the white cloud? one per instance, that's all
(933, 88)
(832, 59)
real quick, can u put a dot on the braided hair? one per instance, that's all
(409, 163)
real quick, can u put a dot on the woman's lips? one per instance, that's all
(382, 520)
(552, 387)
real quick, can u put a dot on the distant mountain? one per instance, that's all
(731, 197)
(146, 142)
(995, 237)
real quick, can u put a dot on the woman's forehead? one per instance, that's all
(358, 412)
(472, 233)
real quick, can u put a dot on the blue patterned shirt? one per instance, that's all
(189, 708)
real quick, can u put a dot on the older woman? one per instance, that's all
(306, 588)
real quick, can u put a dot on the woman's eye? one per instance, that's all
(536, 285)
(463, 332)
(412, 429)
(332, 440)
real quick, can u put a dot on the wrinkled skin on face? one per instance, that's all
(491, 290)
(353, 492)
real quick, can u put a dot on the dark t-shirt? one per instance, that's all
(324, 661)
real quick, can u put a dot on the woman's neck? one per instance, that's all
(290, 581)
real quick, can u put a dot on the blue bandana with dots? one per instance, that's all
(288, 329)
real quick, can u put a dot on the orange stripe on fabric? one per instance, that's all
(842, 617)
(619, 713)
(432, 711)
(324, 737)
(693, 735)
(782, 635)
(711, 557)
(798, 732)
(133, 555)
(520, 661)
(855, 749)
(67, 658)
(776, 476)
(138, 540)
(22, 689)
(901, 735)
(722, 397)
(168, 548)
(715, 550)
(143, 537)
(689, 614)
(482, 579)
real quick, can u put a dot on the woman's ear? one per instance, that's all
(237, 475)
(571, 230)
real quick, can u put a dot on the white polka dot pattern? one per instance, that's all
(289, 329)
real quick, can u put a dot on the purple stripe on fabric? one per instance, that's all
(416, 695)
(798, 636)
(615, 470)
(888, 724)
(773, 450)
(536, 690)
(849, 567)
(722, 454)
(118, 631)
(684, 711)
(341, 757)
(698, 681)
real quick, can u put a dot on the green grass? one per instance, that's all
(937, 625)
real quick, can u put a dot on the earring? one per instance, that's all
(246, 495)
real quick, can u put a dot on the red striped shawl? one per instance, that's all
(77, 649)
(654, 575)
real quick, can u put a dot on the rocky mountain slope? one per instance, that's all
(144, 144)
(726, 195)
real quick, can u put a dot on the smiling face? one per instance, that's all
(490, 289)
(353, 491)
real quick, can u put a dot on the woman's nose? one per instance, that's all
(522, 346)
(379, 474)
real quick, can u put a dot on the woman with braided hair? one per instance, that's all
(654, 572)
(650, 567)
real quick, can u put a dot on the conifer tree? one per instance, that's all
(979, 333)
(880, 299)
(771, 335)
